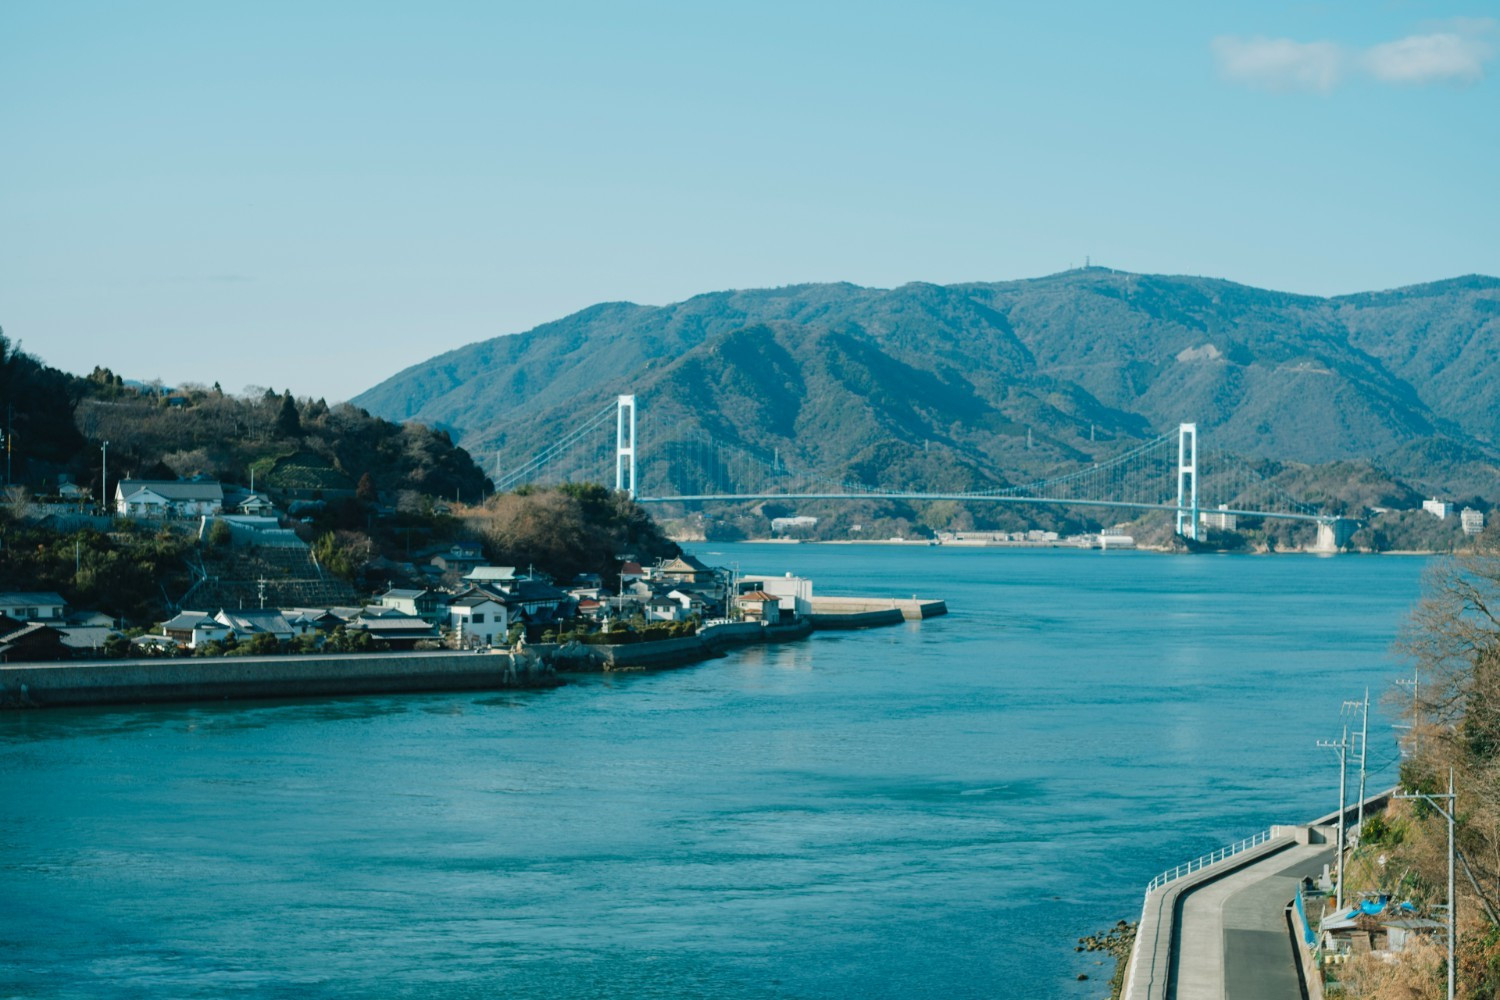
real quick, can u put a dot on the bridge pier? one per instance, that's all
(1334, 533)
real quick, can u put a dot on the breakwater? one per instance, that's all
(104, 682)
(711, 641)
(862, 612)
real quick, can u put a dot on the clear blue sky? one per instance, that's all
(316, 195)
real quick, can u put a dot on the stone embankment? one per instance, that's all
(104, 682)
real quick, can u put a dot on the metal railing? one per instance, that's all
(1172, 874)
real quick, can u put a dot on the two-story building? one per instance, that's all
(428, 605)
(479, 617)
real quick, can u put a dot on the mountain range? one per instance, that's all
(1006, 379)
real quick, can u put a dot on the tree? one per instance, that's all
(364, 491)
(288, 421)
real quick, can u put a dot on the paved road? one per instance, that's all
(1234, 938)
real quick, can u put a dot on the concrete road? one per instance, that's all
(1235, 944)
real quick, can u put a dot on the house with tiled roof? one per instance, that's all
(33, 642)
(249, 622)
(758, 605)
(193, 628)
(684, 569)
(168, 498)
(479, 617)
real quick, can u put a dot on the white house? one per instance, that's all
(479, 618)
(32, 606)
(193, 628)
(160, 498)
(793, 593)
(249, 622)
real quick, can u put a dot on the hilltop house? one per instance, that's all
(160, 498)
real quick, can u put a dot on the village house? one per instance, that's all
(491, 576)
(162, 498)
(31, 642)
(249, 622)
(238, 500)
(684, 569)
(194, 628)
(428, 605)
(794, 593)
(760, 606)
(479, 618)
(395, 628)
(462, 558)
(33, 606)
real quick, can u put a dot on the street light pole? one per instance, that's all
(1452, 801)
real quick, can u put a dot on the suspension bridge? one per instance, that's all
(1169, 473)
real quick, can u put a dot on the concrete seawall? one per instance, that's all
(852, 609)
(103, 682)
(665, 653)
(1151, 972)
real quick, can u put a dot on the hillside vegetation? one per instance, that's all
(845, 377)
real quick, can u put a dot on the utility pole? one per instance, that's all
(1364, 732)
(1415, 684)
(1342, 746)
(104, 476)
(1448, 815)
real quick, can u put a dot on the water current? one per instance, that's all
(938, 809)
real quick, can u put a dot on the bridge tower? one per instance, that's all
(625, 445)
(1187, 480)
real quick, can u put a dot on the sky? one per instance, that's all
(316, 195)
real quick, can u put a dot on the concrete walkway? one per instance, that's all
(1233, 939)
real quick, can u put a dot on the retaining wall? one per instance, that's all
(1149, 973)
(99, 682)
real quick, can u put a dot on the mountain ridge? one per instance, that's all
(1275, 374)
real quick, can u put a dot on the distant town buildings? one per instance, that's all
(1471, 520)
(1219, 520)
(1440, 509)
(781, 525)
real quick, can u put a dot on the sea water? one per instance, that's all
(937, 809)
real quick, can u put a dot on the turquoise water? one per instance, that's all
(931, 810)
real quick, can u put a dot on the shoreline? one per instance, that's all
(537, 667)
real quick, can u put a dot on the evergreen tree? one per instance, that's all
(288, 421)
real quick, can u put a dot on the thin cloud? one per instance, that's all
(1455, 52)
(1280, 63)
(1444, 57)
